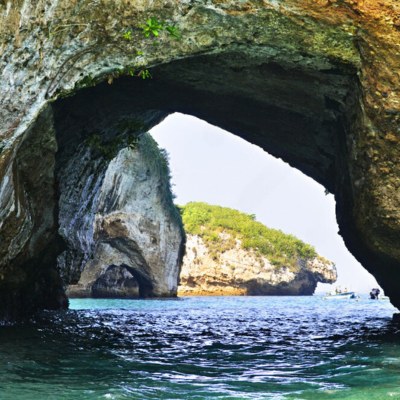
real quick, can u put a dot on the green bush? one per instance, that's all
(157, 160)
(209, 222)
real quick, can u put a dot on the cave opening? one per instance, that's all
(121, 281)
(83, 194)
(303, 115)
(211, 165)
(299, 115)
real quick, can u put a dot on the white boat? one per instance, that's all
(340, 296)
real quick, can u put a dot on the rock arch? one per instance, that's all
(312, 82)
(115, 281)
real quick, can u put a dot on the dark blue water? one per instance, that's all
(205, 348)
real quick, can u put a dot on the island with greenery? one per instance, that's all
(230, 253)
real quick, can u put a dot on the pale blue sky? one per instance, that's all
(209, 164)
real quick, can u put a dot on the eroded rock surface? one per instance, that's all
(136, 236)
(243, 272)
(315, 82)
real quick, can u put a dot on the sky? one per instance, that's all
(211, 165)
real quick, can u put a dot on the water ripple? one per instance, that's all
(204, 348)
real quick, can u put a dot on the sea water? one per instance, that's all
(205, 348)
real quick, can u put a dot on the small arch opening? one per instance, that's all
(121, 281)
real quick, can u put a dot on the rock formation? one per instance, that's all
(315, 82)
(243, 272)
(130, 244)
(230, 253)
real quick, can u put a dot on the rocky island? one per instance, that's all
(130, 242)
(229, 253)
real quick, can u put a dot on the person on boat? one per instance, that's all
(374, 294)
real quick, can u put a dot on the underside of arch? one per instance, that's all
(309, 117)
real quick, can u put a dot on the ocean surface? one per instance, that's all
(205, 348)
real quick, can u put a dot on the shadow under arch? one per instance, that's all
(133, 282)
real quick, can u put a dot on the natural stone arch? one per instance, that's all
(247, 61)
(115, 278)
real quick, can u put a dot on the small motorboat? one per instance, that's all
(338, 295)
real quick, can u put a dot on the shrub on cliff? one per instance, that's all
(221, 227)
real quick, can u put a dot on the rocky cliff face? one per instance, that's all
(243, 272)
(129, 242)
(314, 82)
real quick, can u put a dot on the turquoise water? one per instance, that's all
(205, 348)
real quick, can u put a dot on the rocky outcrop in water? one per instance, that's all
(228, 252)
(243, 272)
(313, 82)
(130, 244)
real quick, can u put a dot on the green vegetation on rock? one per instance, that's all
(158, 162)
(221, 227)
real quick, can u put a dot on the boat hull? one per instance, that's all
(341, 296)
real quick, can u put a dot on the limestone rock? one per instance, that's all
(243, 272)
(136, 235)
(314, 82)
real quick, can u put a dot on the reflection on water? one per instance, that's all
(205, 348)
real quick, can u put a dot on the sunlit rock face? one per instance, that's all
(133, 244)
(243, 272)
(313, 82)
